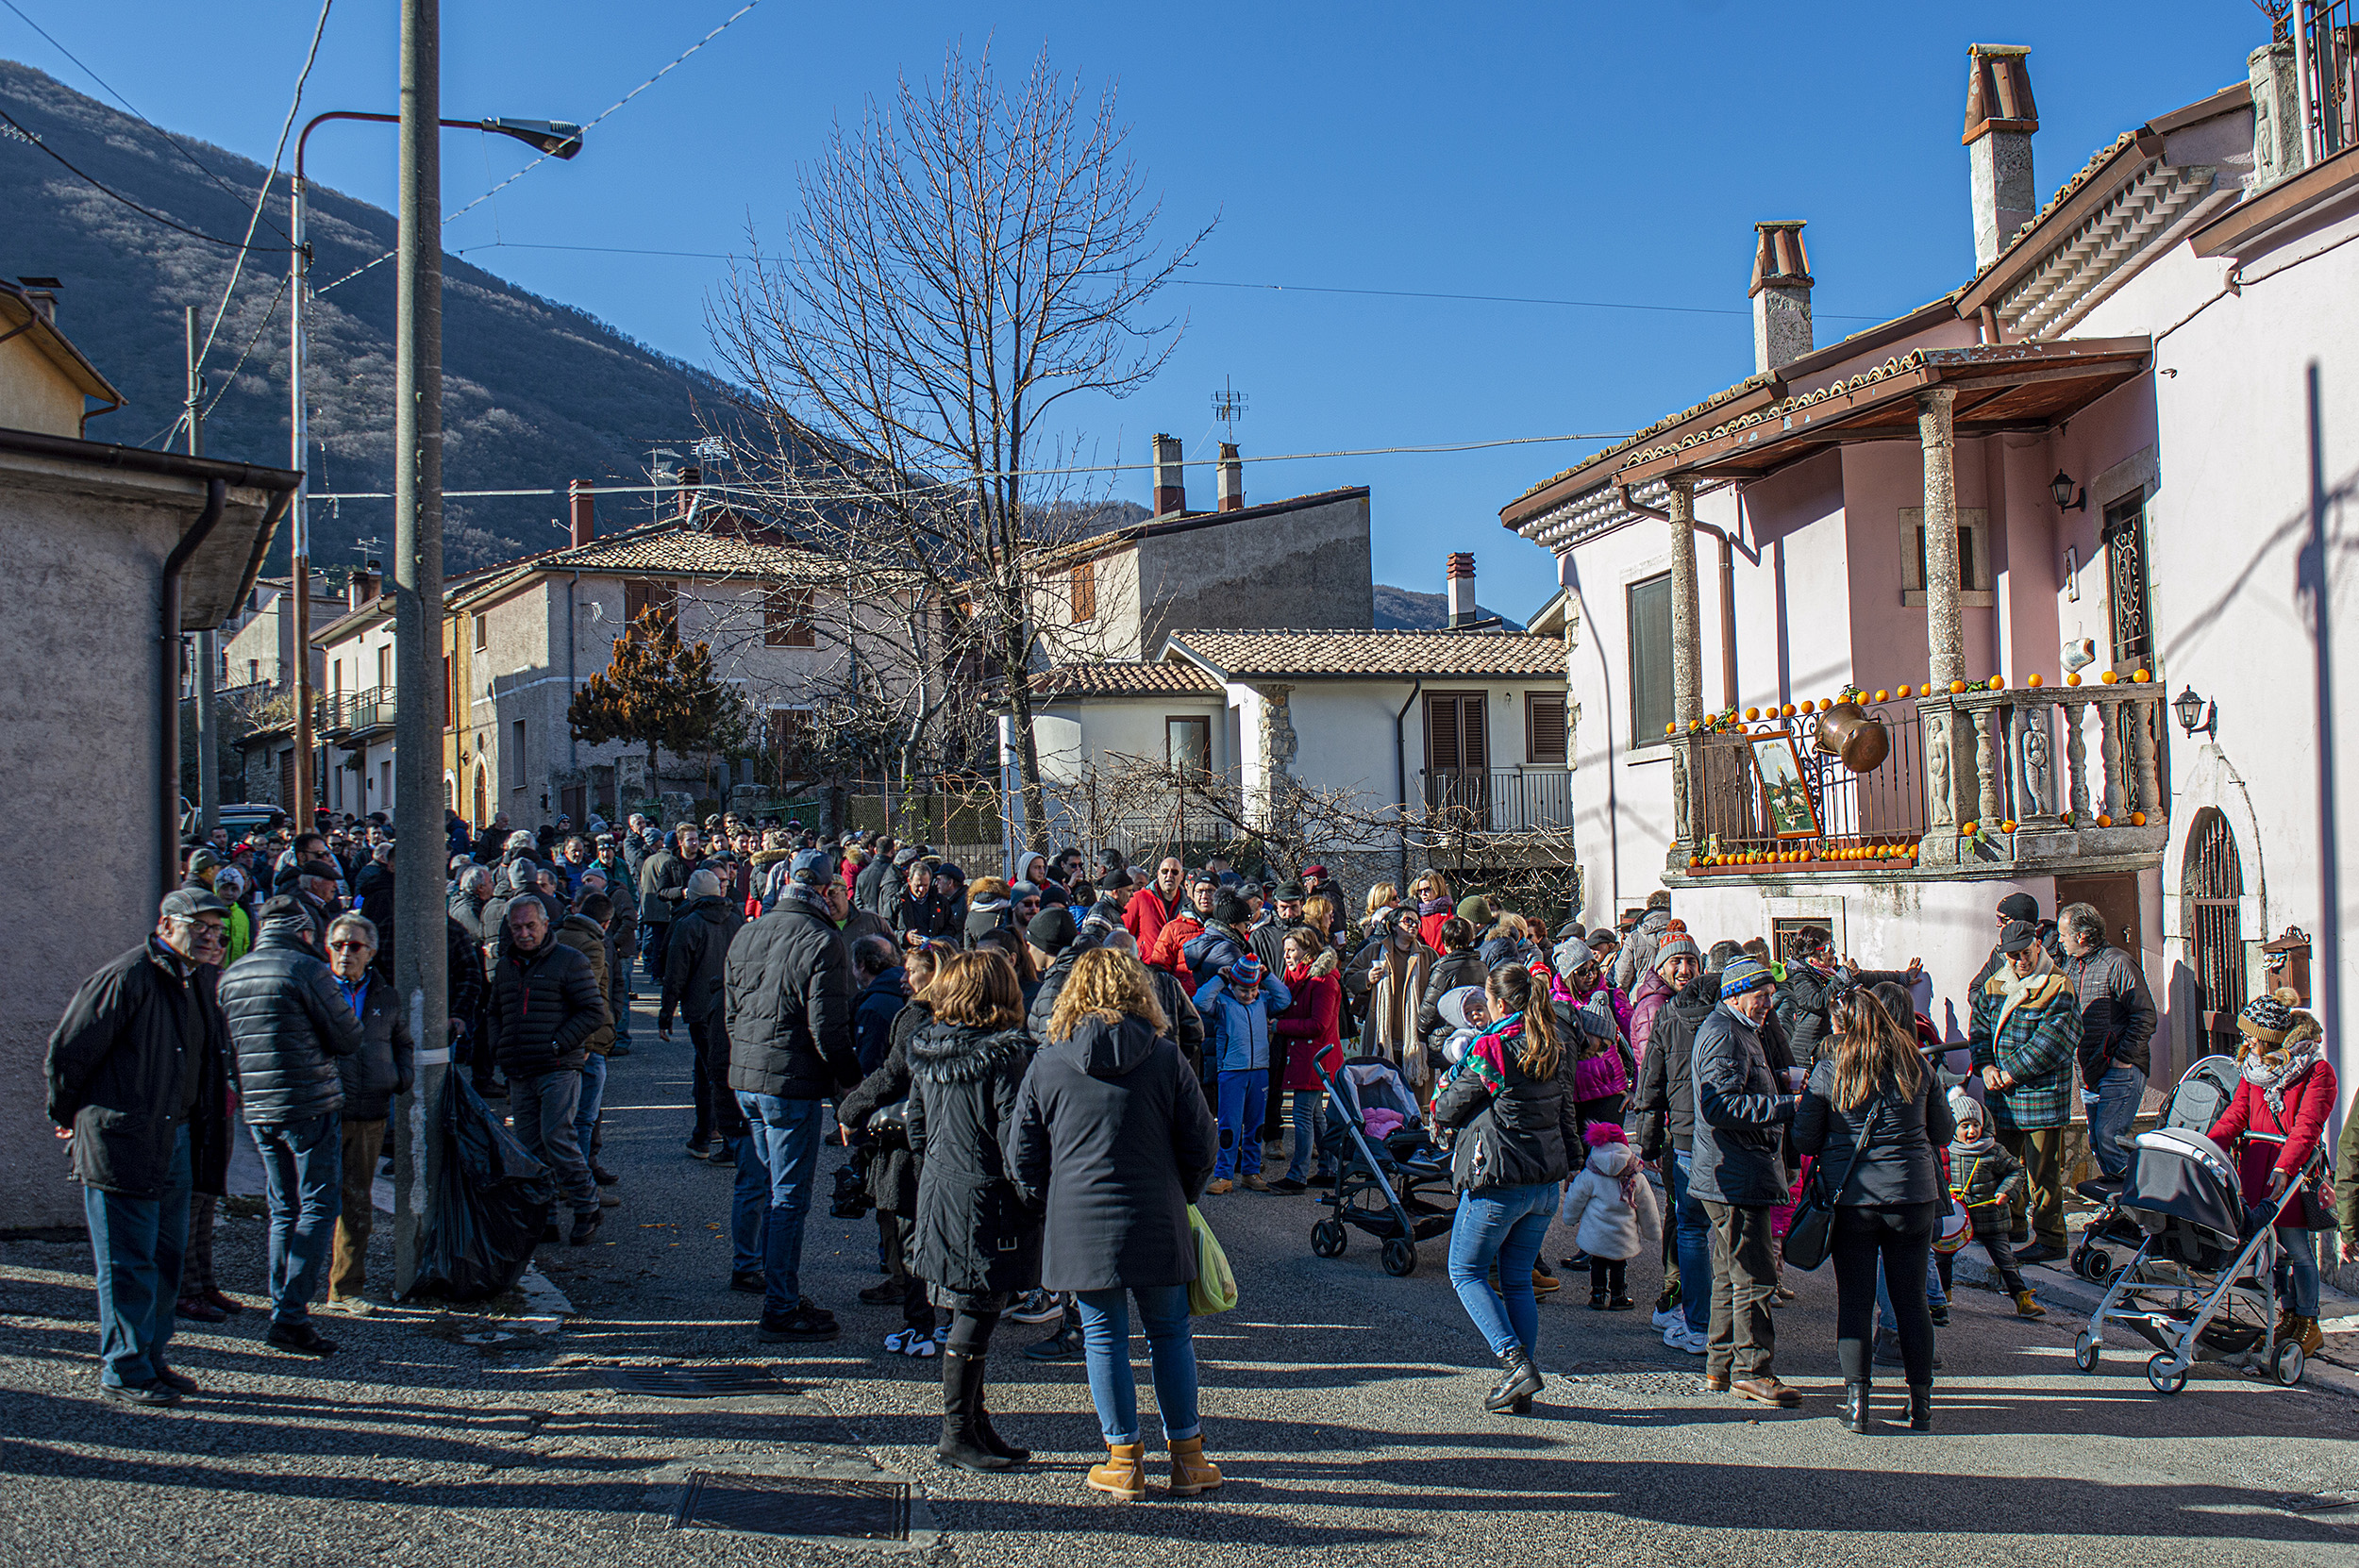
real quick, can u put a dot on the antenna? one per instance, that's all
(1228, 406)
(364, 548)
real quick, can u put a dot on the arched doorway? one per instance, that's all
(2215, 892)
(482, 800)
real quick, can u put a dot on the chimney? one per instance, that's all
(1461, 590)
(585, 518)
(1231, 478)
(360, 586)
(41, 295)
(1780, 295)
(1171, 484)
(2277, 139)
(689, 479)
(1999, 120)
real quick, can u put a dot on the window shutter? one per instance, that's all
(1084, 592)
(1441, 733)
(1474, 716)
(1544, 727)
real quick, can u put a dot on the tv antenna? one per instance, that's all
(364, 548)
(1228, 406)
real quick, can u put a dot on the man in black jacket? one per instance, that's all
(2117, 1023)
(548, 1003)
(662, 878)
(1663, 1129)
(871, 890)
(288, 1024)
(382, 1068)
(694, 978)
(1741, 1115)
(790, 1029)
(138, 1078)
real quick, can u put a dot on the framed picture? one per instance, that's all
(1785, 795)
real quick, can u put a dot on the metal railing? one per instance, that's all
(354, 712)
(1496, 800)
(1884, 806)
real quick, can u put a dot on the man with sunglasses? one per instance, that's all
(372, 1077)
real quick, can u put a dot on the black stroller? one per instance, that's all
(2196, 1104)
(1382, 1188)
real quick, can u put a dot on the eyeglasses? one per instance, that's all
(348, 947)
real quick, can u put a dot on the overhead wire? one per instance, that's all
(104, 189)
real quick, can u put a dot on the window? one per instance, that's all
(786, 619)
(2124, 539)
(1188, 745)
(1084, 592)
(385, 665)
(517, 756)
(1457, 732)
(790, 740)
(1650, 711)
(482, 631)
(1544, 728)
(649, 606)
(450, 699)
(336, 670)
(1974, 562)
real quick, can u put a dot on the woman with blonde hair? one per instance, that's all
(1113, 1138)
(1873, 1114)
(1430, 892)
(1377, 912)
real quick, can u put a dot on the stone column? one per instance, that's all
(1687, 659)
(1945, 644)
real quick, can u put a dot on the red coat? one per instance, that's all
(1144, 917)
(1430, 928)
(2309, 1102)
(1318, 1003)
(1175, 934)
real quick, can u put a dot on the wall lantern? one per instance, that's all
(2194, 713)
(2062, 489)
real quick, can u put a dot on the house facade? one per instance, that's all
(2022, 528)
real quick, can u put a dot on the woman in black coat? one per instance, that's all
(977, 1242)
(1112, 1137)
(892, 1170)
(1873, 1114)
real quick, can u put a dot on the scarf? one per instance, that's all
(1435, 907)
(2018, 989)
(2272, 1080)
(1973, 1147)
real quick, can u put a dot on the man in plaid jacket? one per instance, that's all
(2026, 1035)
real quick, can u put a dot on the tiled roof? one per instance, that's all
(669, 549)
(1313, 655)
(1125, 680)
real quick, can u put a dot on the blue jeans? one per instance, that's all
(137, 1246)
(593, 1098)
(2301, 1268)
(303, 1167)
(1694, 1245)
(1309, 1121)
(786, 1137)
(749, 1206)
(542, 1108)
(1243, 1097)
(1506, 1223)
(1170, 1355)
(2111, 1117)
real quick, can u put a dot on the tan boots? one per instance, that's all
(2299, 1330)
(2027, 1306)
(1124, 1474)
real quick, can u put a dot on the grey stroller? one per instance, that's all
(1382, 1187)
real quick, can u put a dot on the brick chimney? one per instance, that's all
(1999, 120)
(1232, 472)
(1461, 590)
(1171, 484)
(1780, 295)
(361, 585)
(585, 513)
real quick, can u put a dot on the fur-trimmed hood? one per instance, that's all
(963, 1053)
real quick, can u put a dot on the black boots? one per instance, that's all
(963, 1442)
(1066, 1343)
(1519, 1382)
(1920, 1406)
(1855, 1407)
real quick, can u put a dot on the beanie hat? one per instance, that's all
(1476, 910)
(1743, 975)
(2019, 906)
(1244, 971)
(703, 884)
(1051, 930)
(1678, 944)
(1605, 1132)
(1965, 1109)
(2265, 1017)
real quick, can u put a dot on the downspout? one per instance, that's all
(573, 746)
(1400, 767)
(168, 774)
(1727, 591)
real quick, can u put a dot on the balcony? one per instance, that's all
(1461, 803)
(353, 717)
(2037, 779)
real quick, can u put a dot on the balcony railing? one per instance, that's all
(1460, 801)
(342, 715)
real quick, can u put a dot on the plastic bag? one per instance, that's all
(1214, 1286)
(487, 1211)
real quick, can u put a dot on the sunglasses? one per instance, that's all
(348, 947)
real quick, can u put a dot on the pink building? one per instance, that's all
(2092, 458)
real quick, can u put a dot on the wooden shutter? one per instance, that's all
(1457, 733)
(634, 605)
(1651, 701)
(1084, 592)
(1544, 727)
(787, 621)
(1441, 734)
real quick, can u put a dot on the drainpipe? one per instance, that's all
(168, 774)
(1728, 592)
(573, 746)
(1400, 767)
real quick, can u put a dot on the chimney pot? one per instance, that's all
(585, 513)
(1999, 120)
(690, 477)
(1461, 572)
(1781, 294)
(1171, 485)
(41, 295)
(1231, 478)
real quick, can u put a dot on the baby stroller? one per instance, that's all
(1381, 1187)
(2203, 1285)
(2197, 1104)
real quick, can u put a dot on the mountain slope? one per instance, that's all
(1405, 610)
(534, 392)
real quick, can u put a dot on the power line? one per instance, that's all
(1491, 299)
(270, 314)
(261, 196)
(105, 188)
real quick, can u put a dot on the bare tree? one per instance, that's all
(967, 258)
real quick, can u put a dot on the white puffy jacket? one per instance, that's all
(1610, 1225)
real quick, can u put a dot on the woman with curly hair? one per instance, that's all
(1112, 1136)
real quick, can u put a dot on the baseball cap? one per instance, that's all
(2017, 935)
(812, 867)
(188, 903)
(203, 859)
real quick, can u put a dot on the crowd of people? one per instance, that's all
(1039, 1076)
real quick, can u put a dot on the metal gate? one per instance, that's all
(2215, 889)
(2124, 537)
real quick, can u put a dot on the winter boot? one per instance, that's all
(962, 1445)
(1519, 1381)
(1121, 1474)
(1191, 1472)
(1920, 1406)
(1855, 1406)
(2305, 1333)
(2027, 1306)
(990, 1434)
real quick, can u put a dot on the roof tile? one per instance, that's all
(1257, 654)
(1123, 679)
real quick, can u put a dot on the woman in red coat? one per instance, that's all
(2280, 1110)
(1310, 1029)
(1430, 892)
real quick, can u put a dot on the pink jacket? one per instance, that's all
(1652, 993)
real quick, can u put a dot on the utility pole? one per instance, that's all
(208, 642)
(421, 968)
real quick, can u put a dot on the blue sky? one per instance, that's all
(1569, 152)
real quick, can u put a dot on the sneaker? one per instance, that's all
(1665, 1317)
(585, 1227)
(805, 1324)
(1217, 1188)
(1288, 1184)
(150, 1395)
(1679, 1337)
(922, 1347)
(349, 1306)
(1941, 1315)
(750, 1281)
(897, 1343)
(1036, 1307)
(723, 1154)
(299, 1338)
(1254, 1183)
(698, 1147)
(198, 1310)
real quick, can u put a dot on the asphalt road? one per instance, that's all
(1342, 1404)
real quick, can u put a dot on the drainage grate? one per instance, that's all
(795, 1505)
(694, 1382)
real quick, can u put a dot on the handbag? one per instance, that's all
(1214, 1286)
(1811, 1232)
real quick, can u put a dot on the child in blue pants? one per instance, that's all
(1237, 1004)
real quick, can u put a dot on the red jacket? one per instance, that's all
(1165, 954)
(1145, 916)
(1430, 928)
(2309, 1102)
(1318, 1003)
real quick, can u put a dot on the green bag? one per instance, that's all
(1215, 1288)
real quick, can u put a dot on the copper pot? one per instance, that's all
(1846, 732)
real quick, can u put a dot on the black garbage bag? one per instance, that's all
(489, 1208)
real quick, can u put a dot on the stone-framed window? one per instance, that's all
(1974, 566)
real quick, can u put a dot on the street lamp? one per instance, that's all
(2061, 487)
(555, 139)
(2194, 713)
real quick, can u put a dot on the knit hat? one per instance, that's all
(2019, 906)
(703, 884)
(1965, 1109)
(1604, 1132)
(1475, 909)
(1051, 930)
(1744, 975)
(2016, 936)
(1678, 944)
(2265, 1017)
(1244, 971)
